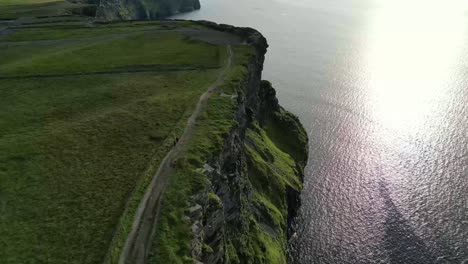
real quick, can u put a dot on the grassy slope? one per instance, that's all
(73, 149)
(270, 171)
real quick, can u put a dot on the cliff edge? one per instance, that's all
(247, 185)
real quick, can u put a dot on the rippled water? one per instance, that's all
(381, 86)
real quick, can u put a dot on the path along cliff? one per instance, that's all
(136, 247)
(239, 186)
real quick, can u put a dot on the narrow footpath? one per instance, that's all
(138, 243)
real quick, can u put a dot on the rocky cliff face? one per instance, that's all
(243, 215)
(110, 10)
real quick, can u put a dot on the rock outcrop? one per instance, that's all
(111, 10)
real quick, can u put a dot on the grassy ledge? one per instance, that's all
(270, 172)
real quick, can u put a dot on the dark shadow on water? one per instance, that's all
(400, 245)
(401, 242)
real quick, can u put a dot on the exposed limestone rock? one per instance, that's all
(111, 10)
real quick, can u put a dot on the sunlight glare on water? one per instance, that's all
(411, 57)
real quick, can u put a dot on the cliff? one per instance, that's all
(89, 129)
(110, 10)
(248, 187)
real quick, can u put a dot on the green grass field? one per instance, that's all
(13, 9)
(156, 51)
(24, 2)
(33, 9)
(85, 119)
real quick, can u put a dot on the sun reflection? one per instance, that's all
(412, 56)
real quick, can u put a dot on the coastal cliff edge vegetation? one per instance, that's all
(90, 109)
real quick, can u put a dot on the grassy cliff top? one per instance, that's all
(87, 111)
(28, 10)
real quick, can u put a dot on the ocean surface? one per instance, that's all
(382, 89)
